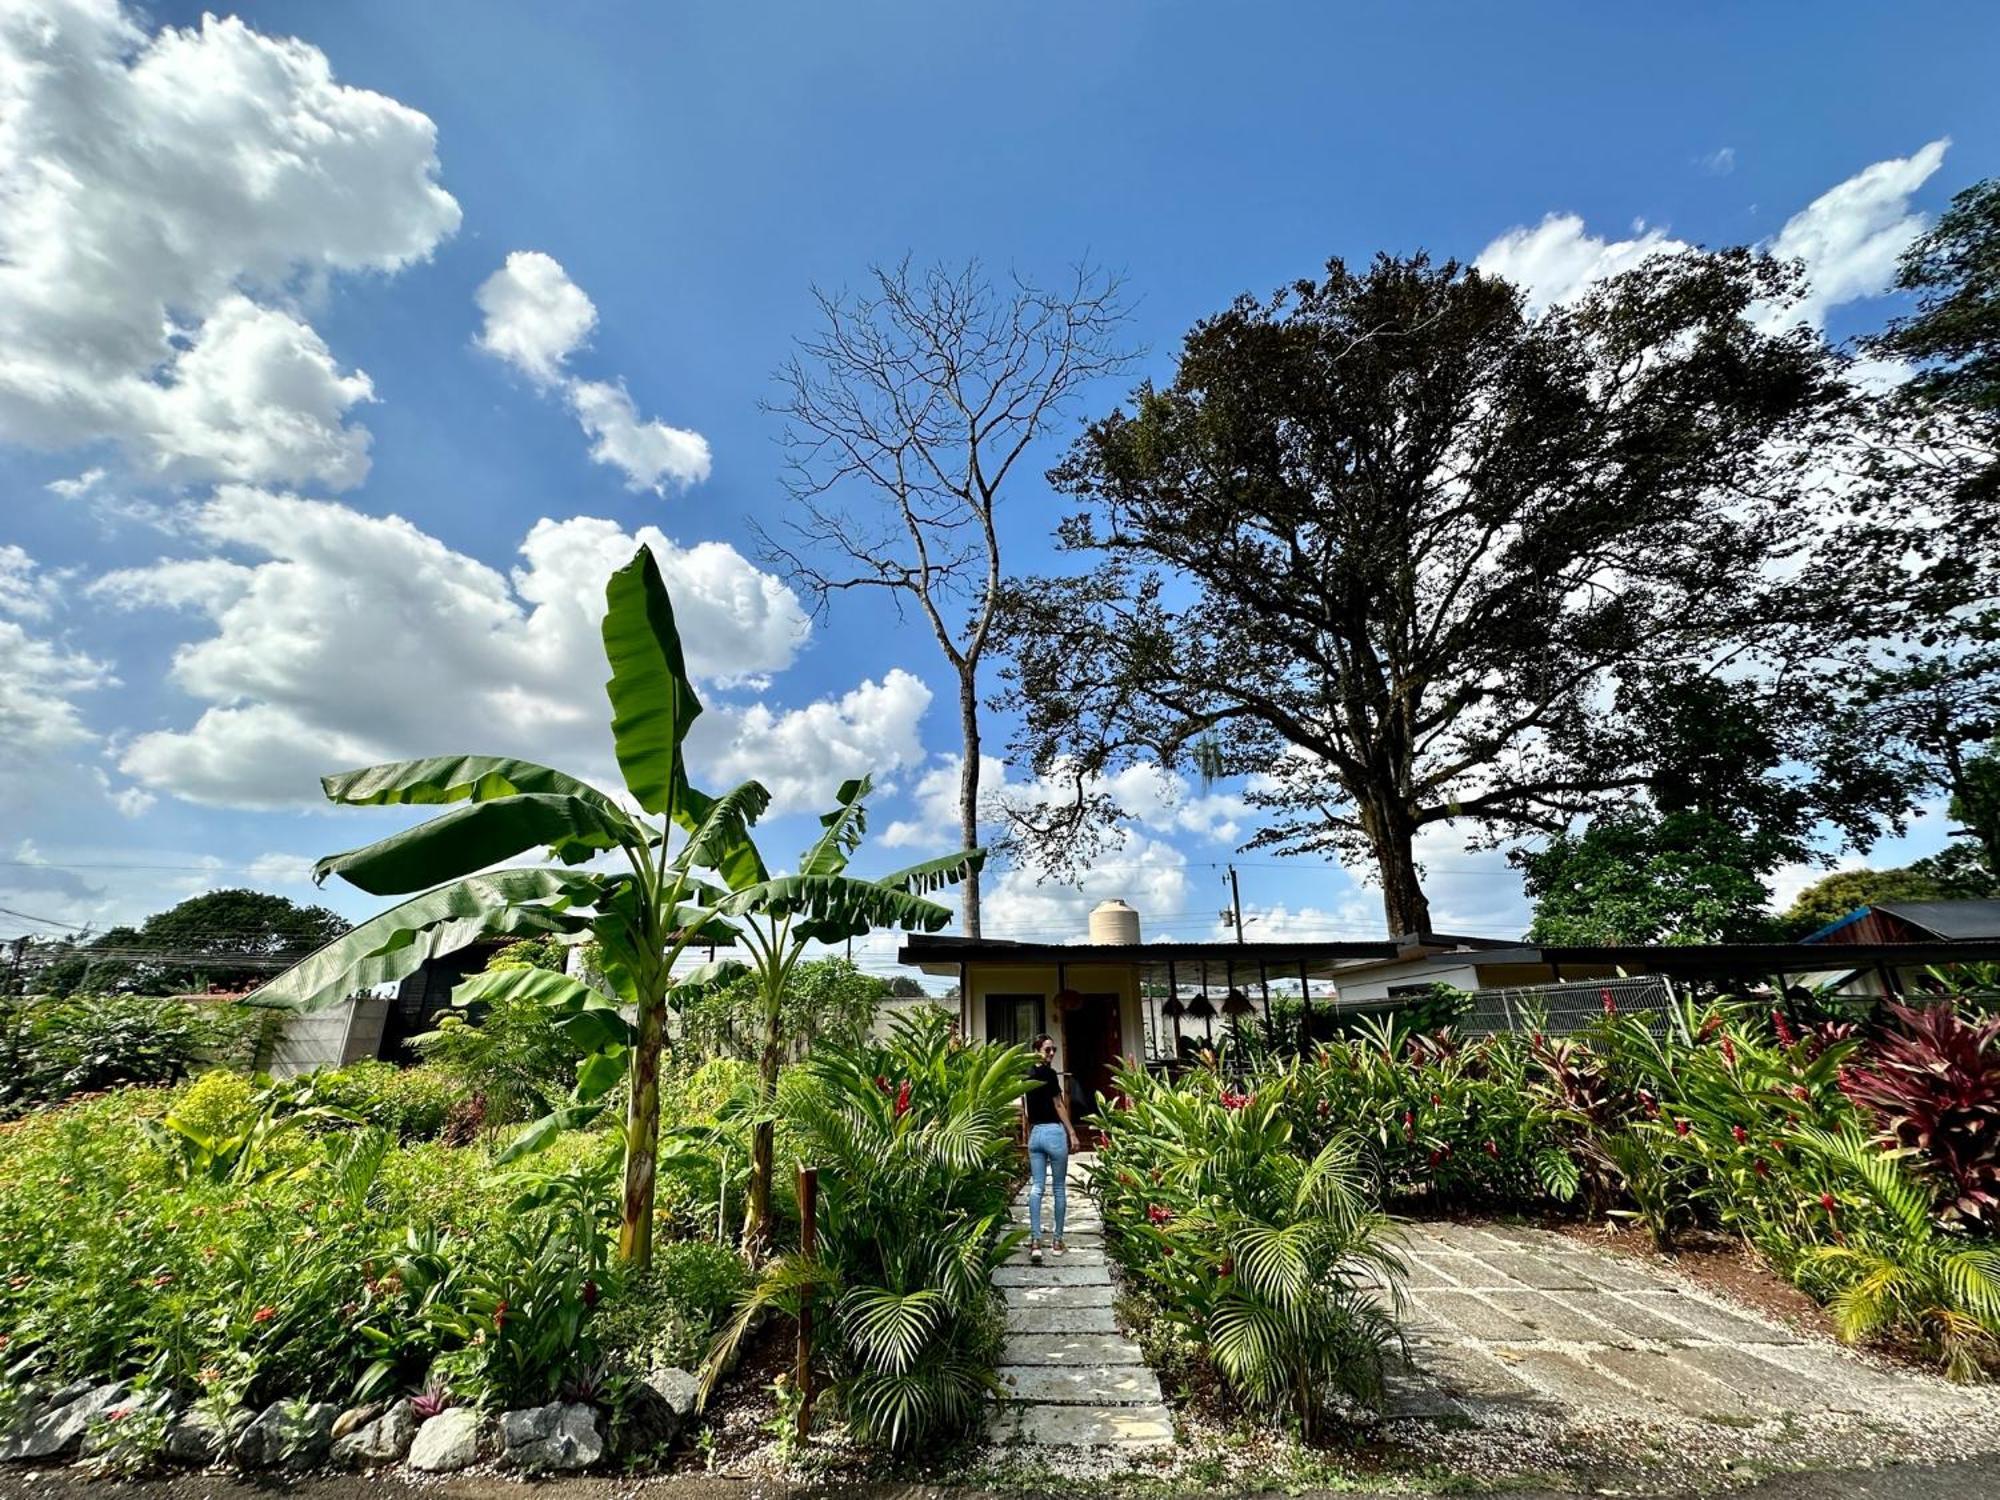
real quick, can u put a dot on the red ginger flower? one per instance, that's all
(263, 1315)
(1231, 1100)
(1610, 1005)
(500, 1313)
(1682, 1127)
(1739, 1134)
(1761, 1167)
(1158, 1214)
(1493, 1150)
(1827, 1202)
(903, 1100)
(1786, 1036)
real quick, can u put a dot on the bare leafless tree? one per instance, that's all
(906, 415)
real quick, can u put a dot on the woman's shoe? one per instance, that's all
(1034, 1253)
(1058, 1247)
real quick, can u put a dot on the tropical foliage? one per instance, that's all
(1267, 1249)
(52, 1048)
(641, 918)
(914, 1141)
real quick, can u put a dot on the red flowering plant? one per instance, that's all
(1255, 1244)
(1931, 1085)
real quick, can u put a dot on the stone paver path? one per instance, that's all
(1075, 1380)
(1502, 1317)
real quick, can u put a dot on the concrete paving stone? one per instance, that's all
(1642, 1319)
(1468, 1371)
(1063, 1320)
(1542, 1272)
(1425, 1271)
(1772, 1384)
(1571, 1380)
(1413, 1394)
(1462, 1238)
(1711, 1322)
(1070, 1257)
(1042, 1294)
(1554, 1316)
(1080, 1385)
(1070, 1349)
(1471, 1272)
(1050, 1273)
(1467, 1316)
(1670, 1380)
(1126, 1428)
(1607, 1271)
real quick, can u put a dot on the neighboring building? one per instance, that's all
(1893, 933)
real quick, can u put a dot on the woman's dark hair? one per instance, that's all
(1040, 1037)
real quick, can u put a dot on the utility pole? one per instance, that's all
(1236, 903)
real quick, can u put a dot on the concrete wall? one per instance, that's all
(329, 1038)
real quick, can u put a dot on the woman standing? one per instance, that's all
(1045, 1124)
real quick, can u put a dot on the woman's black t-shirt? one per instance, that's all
(1043, 1090)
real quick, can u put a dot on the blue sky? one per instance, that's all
(213, 605)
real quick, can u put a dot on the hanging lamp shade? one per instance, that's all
(1172, 1008)
(1200, 1009)
(1236, 1003)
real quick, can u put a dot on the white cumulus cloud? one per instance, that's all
(1849, 239)
(167, 200)
(337, 638)
(534, 319)
(535, 316)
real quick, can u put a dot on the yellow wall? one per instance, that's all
(1121, 980)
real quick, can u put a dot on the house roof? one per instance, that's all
(1948, 919)
(929, 950)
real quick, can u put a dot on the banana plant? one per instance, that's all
(643, 916)
(779, 917)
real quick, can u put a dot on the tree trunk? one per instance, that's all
(763, 1138)
(1393, 833)
(968, 789)
(642, 1137)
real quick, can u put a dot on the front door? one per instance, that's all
(1092, 1045)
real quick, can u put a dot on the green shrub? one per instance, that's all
(410, 1103)
(669, 1316)
(286, 1261)
(51, 1050)
(1262, 1252)
(916, 1139)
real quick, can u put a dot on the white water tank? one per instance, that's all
(1113, 922)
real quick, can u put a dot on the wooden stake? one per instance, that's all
(808, 1250)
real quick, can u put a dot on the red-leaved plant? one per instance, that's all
(1933, 1085)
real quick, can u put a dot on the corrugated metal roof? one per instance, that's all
(1949, 919)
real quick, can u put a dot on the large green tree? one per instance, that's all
(1637, 876)
(225, 940)
(1406, 557)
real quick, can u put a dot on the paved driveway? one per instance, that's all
(1506, 1320)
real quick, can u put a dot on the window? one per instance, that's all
(1015, 1018)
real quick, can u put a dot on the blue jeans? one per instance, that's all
(1048, 1151)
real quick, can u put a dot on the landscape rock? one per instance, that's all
(355, 1417)
(559, 1436)
(385, 1440)
(656, 1410)
(56, 1428)
(200, 1438)
(448, 1441)
(289, 1434)
(680, 1390)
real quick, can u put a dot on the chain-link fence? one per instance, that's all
(1559, 1009)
